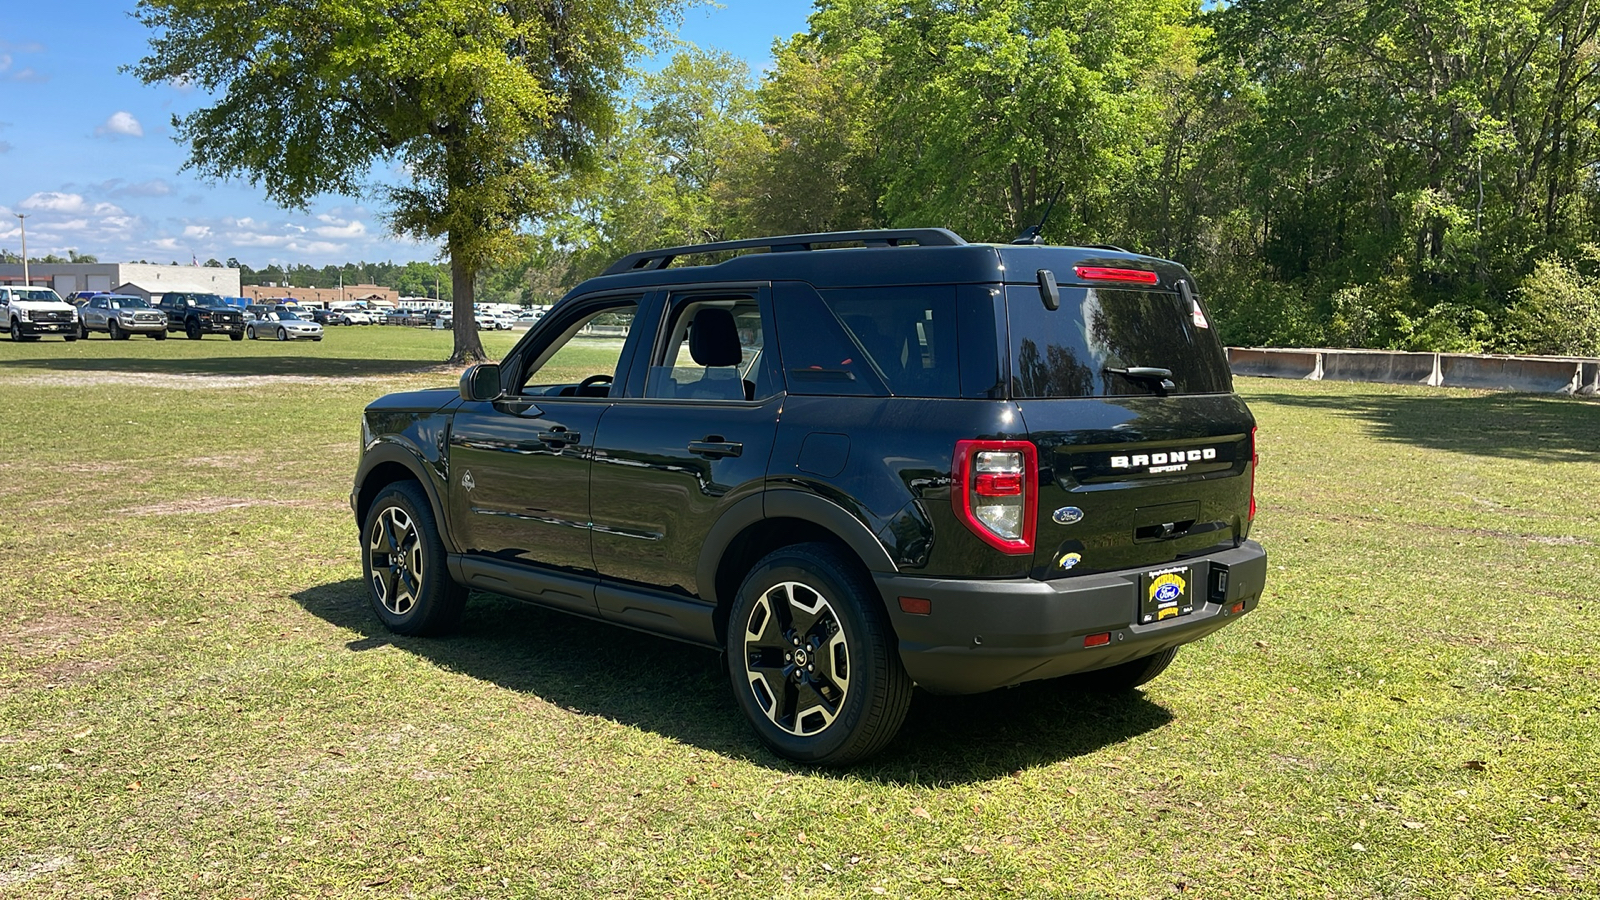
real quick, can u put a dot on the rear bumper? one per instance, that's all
(983, 635)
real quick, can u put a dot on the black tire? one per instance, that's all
(815, 604)
(1120, 679)
(235, 335)
(83, 331)
(283, 335)
(159, 335)
(403, 561)
(116, 332)
(191, 328)
(250, 332)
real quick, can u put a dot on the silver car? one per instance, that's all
(121, 317)
(283, 326)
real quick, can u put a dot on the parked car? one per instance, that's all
(121, 317)
(197, 315)
(31, 312)
(495, 322)
(420, 317)
(79, 298)
(396, 316)
(284, 326)
(348, 316)
(994, 464)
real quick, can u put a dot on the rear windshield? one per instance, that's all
(1066, 352)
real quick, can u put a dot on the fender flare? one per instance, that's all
(787, 504)
(384, 452)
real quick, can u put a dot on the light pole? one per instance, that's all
(22, 218)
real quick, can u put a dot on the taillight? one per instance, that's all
(1130, 276)
(996, 492)
(1255, 460)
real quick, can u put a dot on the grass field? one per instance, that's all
(195, 700)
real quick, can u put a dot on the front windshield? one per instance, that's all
(38, 295)
(208, 300)
(287, 316)
(127, 303)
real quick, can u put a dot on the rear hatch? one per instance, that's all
(1144, 451)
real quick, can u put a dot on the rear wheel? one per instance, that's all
(812, 657)
(1122, 678)
(403, 559)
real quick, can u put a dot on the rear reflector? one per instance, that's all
(1237, 608)
(1097, 640)
(916, 606)
(1129, 276)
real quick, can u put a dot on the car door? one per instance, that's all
(94, 315)
(519, 465)
(691, 436)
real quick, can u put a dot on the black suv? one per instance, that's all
(197, 315)
(855, 462)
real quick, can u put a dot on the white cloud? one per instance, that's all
(166, 244)
(116, 187)
(54, 201)
(353, 229)
(30, 76)
(121, 122)
(71, 225)
(197, 231)
(5, 62)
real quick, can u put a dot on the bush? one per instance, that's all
(1557, 311)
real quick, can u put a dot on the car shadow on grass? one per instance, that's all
(1539, 427)
(313, 366)
(681, 692)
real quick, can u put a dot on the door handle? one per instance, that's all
(715, 449)
(558, 436)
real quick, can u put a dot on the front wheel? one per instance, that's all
(192, 330)
(403, 559)
(83, 331)
(235, 335)
(116, 332)
(159, 335)
(283, 335)
(812, 657)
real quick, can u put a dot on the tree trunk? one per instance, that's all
(468, 348)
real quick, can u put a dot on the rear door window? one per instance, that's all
(1067, 352)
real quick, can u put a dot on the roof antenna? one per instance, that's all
(1030, 235)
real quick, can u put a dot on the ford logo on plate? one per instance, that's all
(1067, 515)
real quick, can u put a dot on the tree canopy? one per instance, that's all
(478, 109)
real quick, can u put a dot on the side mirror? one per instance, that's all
(481, 383)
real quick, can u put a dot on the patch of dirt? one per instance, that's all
(206, 505)
(72, 671)
(29, 866)
(51, 634)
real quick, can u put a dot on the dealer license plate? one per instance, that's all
(1166, 594)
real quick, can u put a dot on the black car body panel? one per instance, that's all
(861, 374)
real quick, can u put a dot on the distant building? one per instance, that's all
(329, 296)
(144, 279)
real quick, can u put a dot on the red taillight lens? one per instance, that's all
(1255, 460)
(995, 492)
(1131, 276)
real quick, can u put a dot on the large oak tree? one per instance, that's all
(479, 107)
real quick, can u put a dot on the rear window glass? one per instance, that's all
(1067, 352)
(856, 341)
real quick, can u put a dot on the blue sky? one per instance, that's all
(87, 152)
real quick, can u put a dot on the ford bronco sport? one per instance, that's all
(854, 462)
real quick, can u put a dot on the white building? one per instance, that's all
(140, 279)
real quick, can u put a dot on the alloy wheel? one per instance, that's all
(796, 660)
(394, 550)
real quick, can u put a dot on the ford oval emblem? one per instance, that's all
(1067, 515)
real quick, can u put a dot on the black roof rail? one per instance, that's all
(649, 260)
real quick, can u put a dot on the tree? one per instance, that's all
(484, 106)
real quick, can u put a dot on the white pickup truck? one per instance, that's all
(29, 312)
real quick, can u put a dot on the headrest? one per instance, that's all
(714, 338)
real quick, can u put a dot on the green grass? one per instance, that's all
(195, 700)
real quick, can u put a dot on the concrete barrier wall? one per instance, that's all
(1510, 373)
(1533, 374)
(1386, 366)
(1275, 363)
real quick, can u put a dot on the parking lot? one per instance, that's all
(196, 700)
